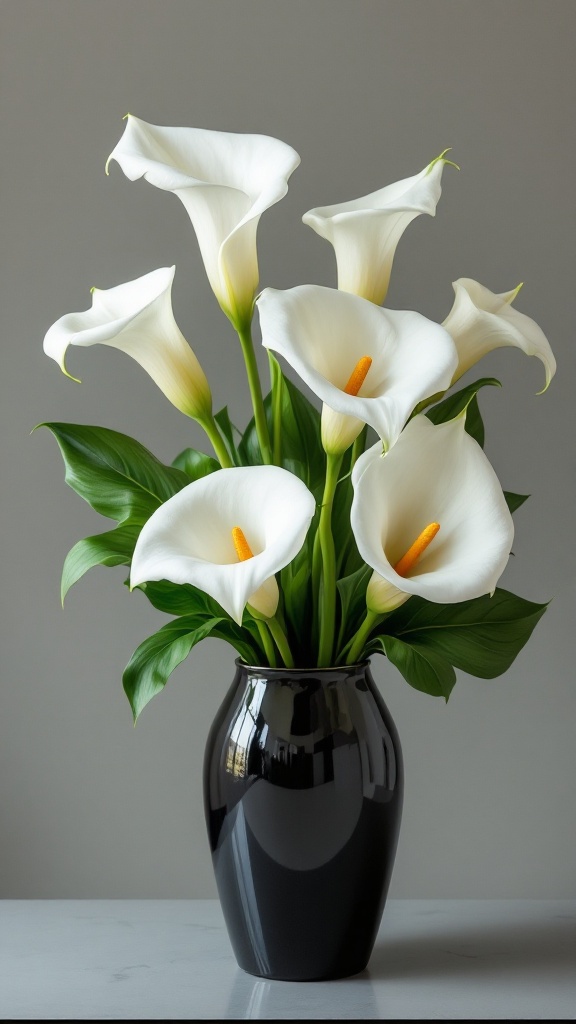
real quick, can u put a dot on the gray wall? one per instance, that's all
(367, 92)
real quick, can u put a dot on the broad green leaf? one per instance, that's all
(348, 559)
(514, 501)
(295, 584)
(115, 547)
(195, 464)
(301, 447)
(249, 452)
(228, 430)
(352, 591)
(156, 658)
(481, 637)
(465, 399)
(421, 666)
(302, 450)
(474, 421)
(115, 474)
(180, 599)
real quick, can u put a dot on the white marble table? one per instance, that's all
(171, 959)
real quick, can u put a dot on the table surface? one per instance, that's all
(171, 959)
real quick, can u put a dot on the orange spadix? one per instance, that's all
(358, 375)
(243, 549)
(418, 548)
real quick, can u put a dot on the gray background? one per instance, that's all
(367, 92)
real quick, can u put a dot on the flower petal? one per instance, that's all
(137, 318)
(481, 321)
(434, 473)
(323, 333)
(225, 181)
(189, 538)
(366, 231)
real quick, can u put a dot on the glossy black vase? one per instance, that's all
(303, 794)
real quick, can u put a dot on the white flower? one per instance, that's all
(227, 534)
(137, 318)
(226, 182)
(368, 365)
(434, 476)
(481, 321)
(366, 231)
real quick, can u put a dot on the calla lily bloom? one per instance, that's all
(481, 321)
(368, 365)
(366, 231)
(430, 517)
(226, 182)
(137, 318)
(227, 534)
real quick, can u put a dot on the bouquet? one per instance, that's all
(310, 538)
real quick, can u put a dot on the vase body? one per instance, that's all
(303, 787)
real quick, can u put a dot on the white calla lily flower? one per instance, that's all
(227, 534)
(367, 364)
(430, 517)
(226, 181)
(366, 231)
(137, 318)
(481, 321)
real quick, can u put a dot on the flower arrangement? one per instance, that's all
(311, 538)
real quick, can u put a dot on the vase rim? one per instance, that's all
(307, 670)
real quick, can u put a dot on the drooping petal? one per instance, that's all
(323, 333)
(434, 474)
(137, 318)
(481, 321)
(226, 181)
(366, 231)
(189, 538)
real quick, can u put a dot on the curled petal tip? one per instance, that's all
(442, 159)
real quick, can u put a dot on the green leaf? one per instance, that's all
(352, 591)
(115, 474)
(249, 452)
(228, 430)
(295, 585)
(156, 658)
(180, 599)
(302, 451)
(465, 399)
(481, 637)
(474, 421)
(115, 547)
(195, 464)
(514, 501)
(422, 667)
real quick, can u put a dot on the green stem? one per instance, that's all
(245, 335)
(266, 643)
(360, 638)
(281, 641)
(276, 385)
(211, 427)
(328, 599)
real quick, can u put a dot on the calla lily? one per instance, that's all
(435, 476)
(137, 318)
(481, 321)
(366, 231)
(227, 534)
(368, 365)
(226, 182)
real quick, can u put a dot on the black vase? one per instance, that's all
(303, 789)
